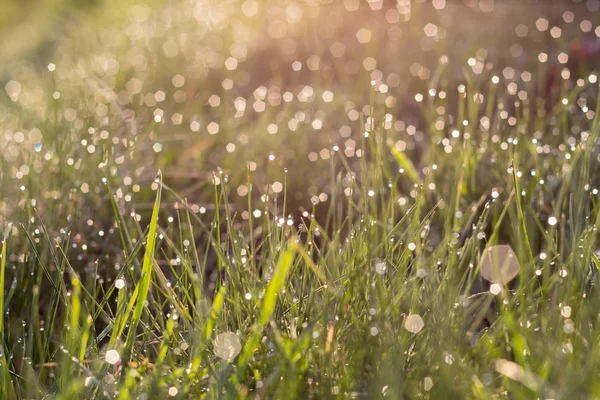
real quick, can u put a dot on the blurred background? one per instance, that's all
(111, 91)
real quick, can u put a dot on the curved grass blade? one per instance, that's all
(284, 264)
(143, 287)
(406, 164)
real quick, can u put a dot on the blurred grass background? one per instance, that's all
(29, 28)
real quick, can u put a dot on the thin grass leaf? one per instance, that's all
(143, 286)
(407, 165)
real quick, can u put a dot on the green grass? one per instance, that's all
(127, 255)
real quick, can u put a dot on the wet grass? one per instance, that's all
(122, 279)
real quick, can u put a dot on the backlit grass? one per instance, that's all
(166, 235)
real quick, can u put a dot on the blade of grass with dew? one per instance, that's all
(143, 286)
(126, 267)
(6, 388)
(73, 334)
(406, 164)
(521, 216)
(121, 227)
(200, 344)
(267, 308)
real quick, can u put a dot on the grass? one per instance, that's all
(145, 257)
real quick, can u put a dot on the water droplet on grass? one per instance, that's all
(227, 346)
(414, 323)
(499, 265)
(112, 357)
(495, 289)
(380, 267)
(427, 383)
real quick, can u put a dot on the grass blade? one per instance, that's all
(143, 286)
